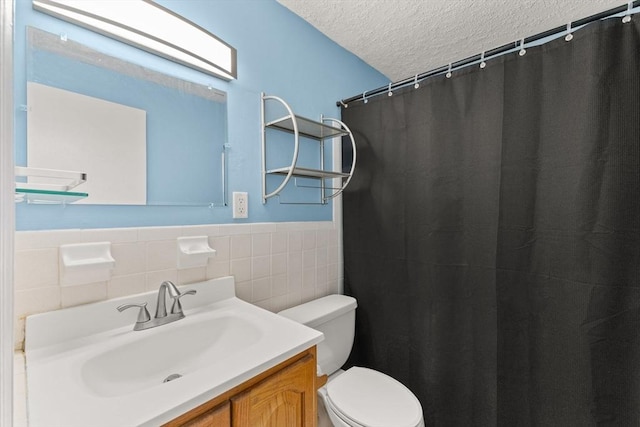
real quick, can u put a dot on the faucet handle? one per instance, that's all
(176, 308)
(143, 314)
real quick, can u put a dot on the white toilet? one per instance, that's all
(357, 397)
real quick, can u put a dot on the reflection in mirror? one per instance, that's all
(141, 136)
(70, 131)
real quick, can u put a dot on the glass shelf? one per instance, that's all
(307, 127)
(47, 197)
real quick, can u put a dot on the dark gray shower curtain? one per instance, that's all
(492, 236)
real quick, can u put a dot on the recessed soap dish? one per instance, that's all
(85, 263)
(194, 251)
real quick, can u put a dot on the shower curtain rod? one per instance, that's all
(489, 53)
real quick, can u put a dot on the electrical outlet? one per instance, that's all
(240, 205)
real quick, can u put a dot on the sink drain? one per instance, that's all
(171, 378)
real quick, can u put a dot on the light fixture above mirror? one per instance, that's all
(151, 27)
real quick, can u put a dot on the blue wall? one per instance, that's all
(278, 53)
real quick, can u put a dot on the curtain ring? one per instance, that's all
(416, 85)
(390, 93)
(523, 51)
(482, 63)
(364, 98)
(627, 17)
(449, 71)
(569, 36)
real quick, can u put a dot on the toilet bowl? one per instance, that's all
(362, 397)
(357, 397)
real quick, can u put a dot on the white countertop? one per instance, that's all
(57, 359)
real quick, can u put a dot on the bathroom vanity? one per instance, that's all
(227, 363)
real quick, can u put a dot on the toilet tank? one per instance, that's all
(335, 317)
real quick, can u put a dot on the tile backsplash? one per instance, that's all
(276, 265)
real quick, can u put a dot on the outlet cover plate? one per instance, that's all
(240, 205)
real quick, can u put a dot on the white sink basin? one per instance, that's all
(183, 350)
(86, 365)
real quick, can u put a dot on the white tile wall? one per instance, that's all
(276, 265)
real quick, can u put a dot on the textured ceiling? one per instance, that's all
(401, 38)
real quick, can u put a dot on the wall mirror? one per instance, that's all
(142, 137)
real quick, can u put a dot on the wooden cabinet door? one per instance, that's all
(285, 399)
(220, 416)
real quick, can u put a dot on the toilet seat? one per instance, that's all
(368, 398)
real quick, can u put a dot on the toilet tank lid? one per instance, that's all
(321, 310)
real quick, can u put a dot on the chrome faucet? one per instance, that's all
(161, 318)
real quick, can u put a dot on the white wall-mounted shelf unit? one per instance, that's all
(301, 127)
